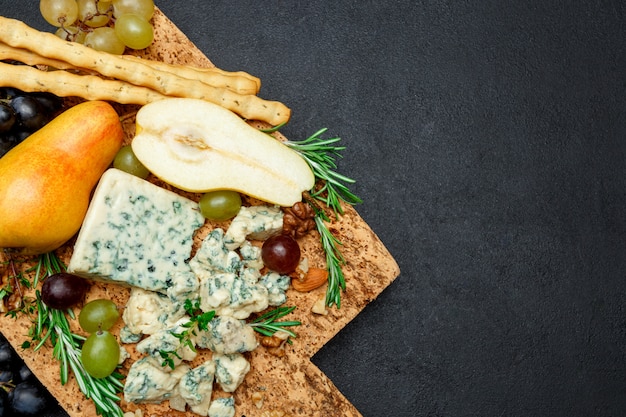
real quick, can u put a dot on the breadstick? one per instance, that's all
(19, 35)
(239, 82)
(65, 84)
(30, 58)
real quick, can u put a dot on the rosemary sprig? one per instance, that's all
(320, 154)
(333, 189)
(53, 325)
(267, 323)
(198, 320)
(334, 260)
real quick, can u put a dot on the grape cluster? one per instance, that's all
(110, 26)
(21, 114)
(101, 352)
(21, 394)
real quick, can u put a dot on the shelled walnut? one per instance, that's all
(275, 344)
(298, 220)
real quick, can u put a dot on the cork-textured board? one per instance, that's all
(288, 384)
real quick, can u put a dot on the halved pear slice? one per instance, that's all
(199, 146)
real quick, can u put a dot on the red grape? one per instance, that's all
(281, 253)
(63, 290)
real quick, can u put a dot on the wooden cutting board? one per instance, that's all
(288, 384)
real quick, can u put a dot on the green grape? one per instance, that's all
(126, 161)
(94, 13)
(59, 12)
(143, 8)
(100, 354)
(98, 315)
(71, 33)
(134, 31)
(220, 205)
(105, 39)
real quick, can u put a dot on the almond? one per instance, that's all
(314, 278)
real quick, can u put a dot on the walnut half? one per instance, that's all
(298, 220)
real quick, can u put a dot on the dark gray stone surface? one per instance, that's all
(488, 143)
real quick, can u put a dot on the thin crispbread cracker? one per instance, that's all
(290, 384)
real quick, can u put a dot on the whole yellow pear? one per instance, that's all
(46, 181)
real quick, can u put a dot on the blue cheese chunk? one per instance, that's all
(185, 286)
(251, 255)
(149, 383)
(135, 233)
(256, 222)
(230, 295)
(277, 286)
(222, 407)
(214, 256)
(196, 387)
(230, 370)
(166, 341)
(226, 334)
(148, 312)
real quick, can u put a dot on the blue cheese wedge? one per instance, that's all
(135, 233)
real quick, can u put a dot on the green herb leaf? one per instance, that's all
(267, 323)
(320, 154)
(198, 320)
(334, 261)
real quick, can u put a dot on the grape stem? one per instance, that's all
(53, 325)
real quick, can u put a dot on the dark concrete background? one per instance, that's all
(487, 141)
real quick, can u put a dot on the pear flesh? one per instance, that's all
(199, 146)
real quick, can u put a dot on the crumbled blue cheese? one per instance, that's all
(230, 282)
(230, 295)
(149, 383)
(135, 233)
(276, 285)
(166, 341)
(251, 256)
(222, 407)
(184, 287)
(127, 336)
(226, 334)
(148, 312)
(224, 275)
(196, 387)
(230, 370)
(214, 256)
(123, 355)
(256, 222)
